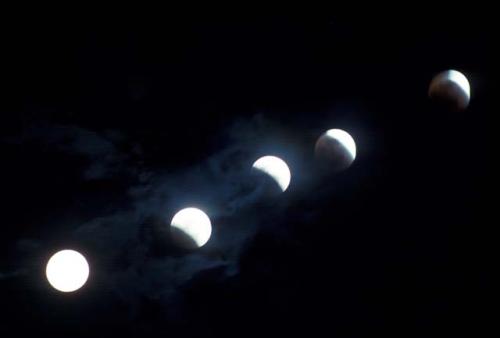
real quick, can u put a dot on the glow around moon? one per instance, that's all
(191, 228)
(276, 168)
(67, 271)
(451, 87)
(337, 148)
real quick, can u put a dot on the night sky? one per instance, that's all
(109, 127)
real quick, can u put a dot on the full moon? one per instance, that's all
(336, 148)
(276, 168)
(191, 228)
(451, 88)
(67, 271)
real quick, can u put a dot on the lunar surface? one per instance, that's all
(67, 271)
(191, 228)
(275, 168)
(450, 88)
(335, 149)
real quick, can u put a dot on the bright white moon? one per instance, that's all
(67, 271)
(337, 148)
(193, 223)
(276, 168)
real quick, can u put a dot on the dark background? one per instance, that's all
(109, 126)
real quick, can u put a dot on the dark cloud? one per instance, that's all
(104, 158)
(134, 256)
(159, 120)
(12, 274)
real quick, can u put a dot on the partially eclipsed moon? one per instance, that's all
(276, 168)
(191, 228)
(337, 148)
(452, 88)
(67, 271)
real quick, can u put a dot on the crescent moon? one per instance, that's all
(191, 228)
(451, 86)
(337, 148)
(276, 168)
(460, 80)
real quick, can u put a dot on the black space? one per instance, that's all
(111, 126)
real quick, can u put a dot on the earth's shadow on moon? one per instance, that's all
(448, 95)
(164, 239)
(265, 186)
(331, 156)
(182, 240)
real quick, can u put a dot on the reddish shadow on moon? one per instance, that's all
(450, 90)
